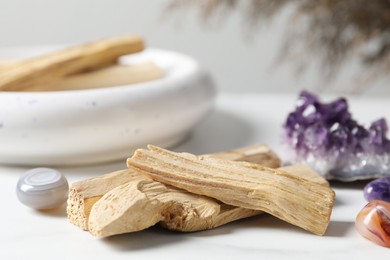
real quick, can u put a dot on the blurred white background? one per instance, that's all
(239, 60)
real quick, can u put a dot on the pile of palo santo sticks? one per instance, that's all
(185, 192)
(91, 65)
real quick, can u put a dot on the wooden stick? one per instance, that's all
(115, 75)
(84, 194)
(45, 68)
(6, 64)
(258, 154)
(295, 200)
(126, 205)
(142, 202)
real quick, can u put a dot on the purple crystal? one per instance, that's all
(315, 136)
(305, 99)
(377, 133)
(378, 189)
(326, 137)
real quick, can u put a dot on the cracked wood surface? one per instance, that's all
(84, 194)
(294, 199)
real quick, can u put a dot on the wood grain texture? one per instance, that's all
(113, 75)
(142, 202)
(293, 199)
(49, 67)
(84, 194)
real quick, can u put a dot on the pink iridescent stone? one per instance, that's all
(373, 222)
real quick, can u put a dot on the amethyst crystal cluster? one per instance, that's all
(327, 138)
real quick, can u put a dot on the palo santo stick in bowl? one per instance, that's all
(114, 75)
(142, 202)
(46, 68)
(293, 199)
(6, 64)
(84, 194)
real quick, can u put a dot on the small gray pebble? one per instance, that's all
(42, 188)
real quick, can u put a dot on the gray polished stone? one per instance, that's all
(42, 188)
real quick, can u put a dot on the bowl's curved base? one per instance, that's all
(90, 158)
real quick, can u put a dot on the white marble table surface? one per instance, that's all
(238, 120)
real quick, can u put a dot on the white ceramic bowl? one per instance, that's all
(106, 124)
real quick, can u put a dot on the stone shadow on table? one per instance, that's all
(356, 185)
(59, 212)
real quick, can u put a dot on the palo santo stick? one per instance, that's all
(142, 202)
(45, 68)
(84, 194)
(5, 64)
(115, 75)
(293, 199)
(259, 154)
(304, 172)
